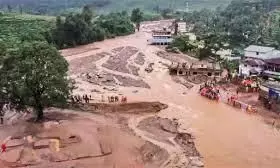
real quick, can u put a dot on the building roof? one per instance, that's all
(205, 65)
(253, 62)
(178, 65)
(275, 54)
(255, 48)
(273, 61)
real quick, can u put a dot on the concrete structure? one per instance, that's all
(182, 27)
(249, 67)
(227, 55)
(197, 68)
(257, 59)
(161, 38)
(258, 52)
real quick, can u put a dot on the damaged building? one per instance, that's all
(197, 68)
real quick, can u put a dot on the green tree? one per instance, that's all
(183, 44)
(35, 76)
(137, 17)
(87, 14)
(203, 53)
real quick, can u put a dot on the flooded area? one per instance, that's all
(224, 136)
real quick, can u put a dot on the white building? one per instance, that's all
(161, 38)
(182, 27)
(251, 67)
(254, 60)
(258, 52)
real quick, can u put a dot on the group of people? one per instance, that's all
(81, 99)
(209, 90)
(112, 99)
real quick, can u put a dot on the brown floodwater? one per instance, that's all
(226, 137)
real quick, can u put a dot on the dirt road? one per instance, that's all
(225, 137)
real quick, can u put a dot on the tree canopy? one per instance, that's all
(137, 17)
(240, 24)
(34, 75)
(84, 28)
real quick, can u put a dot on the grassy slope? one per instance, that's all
(13, 26)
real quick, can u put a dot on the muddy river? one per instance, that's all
(226, 137)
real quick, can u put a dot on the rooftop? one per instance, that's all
(205, 65)
(253, 62)
(256, 48)
(273, 55)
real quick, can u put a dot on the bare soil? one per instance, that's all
(128, 82)
(86, 140)
(173, 57)
(118, 62)
(164, 129)
(182, 80)
(129, 108)
(85, 64)
(140, 59)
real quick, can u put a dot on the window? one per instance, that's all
(217, 74)
(209, 74)
(194, 73)
(180, 72)
(257, 53)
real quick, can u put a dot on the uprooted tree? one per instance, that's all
(34, 75)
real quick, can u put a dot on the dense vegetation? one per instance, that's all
(33, 75)
(18, 28)
(82, 28)
(74, 29)
(60, 6)
(240, 24)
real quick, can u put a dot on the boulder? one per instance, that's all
(196, 161)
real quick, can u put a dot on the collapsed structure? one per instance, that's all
(197, 68)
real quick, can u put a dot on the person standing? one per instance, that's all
(2, 113)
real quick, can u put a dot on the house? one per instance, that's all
(227, 54)
(197, 68)
(161, 38)
(272, 68)
(258, 52)
(182, 27)
(206, 68)
(258, 59)
(251, 66)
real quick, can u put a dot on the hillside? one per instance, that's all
(103, 6)
(15, 28)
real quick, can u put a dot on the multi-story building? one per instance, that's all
(256, 60)
(161, 38)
